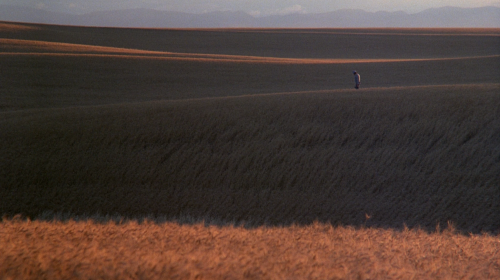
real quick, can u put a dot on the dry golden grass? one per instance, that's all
(254, 127)
(86, 250)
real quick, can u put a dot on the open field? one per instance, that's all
(250, 127)
(57, 66)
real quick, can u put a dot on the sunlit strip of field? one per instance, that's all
(35, 45)
(42, 48)
(11, 27)
(268, 60)
(89, 250)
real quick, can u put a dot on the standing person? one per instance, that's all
(357, 79)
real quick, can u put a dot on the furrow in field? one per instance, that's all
(364, 90)
(367, 90)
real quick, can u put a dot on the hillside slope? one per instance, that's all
(419, 156)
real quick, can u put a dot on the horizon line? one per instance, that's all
(249, 13)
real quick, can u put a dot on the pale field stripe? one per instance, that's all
(328, 91)
(258, 95)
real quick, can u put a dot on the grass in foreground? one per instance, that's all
(88, 250)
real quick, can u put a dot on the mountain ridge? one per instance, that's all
(435, 17)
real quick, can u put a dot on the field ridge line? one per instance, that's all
(257, 95)
(492, 85)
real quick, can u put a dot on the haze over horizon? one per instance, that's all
(255, 7)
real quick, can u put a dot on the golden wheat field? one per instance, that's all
(248, 154)
(86, 250)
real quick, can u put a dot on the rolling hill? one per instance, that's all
(247, 153)
(253, 126)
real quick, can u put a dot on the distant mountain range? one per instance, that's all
(437, 17)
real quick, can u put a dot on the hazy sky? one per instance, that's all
(254, 7)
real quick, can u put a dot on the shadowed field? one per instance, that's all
(258, 128)
(58, 66)
(431, 153)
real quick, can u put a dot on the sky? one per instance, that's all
(253, 7)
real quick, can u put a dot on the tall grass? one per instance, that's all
(87, 250)
(418, 156)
